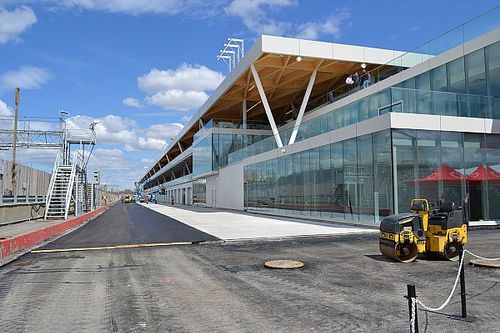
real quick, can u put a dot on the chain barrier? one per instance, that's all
(479, 257)
(428, 308)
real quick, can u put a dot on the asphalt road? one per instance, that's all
(125, 224)
(346, 286)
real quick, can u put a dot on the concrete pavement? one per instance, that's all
(228, 225)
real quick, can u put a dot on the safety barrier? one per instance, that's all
(414, 303)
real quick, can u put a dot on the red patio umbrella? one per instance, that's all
(443, 172)
(483, 173)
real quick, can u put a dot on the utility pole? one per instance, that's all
(14, 142)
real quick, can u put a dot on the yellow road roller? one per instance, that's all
(424, 231)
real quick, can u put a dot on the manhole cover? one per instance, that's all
(284, 264)
(485, 263)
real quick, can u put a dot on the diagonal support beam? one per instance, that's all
(302, 108)
(267, 108)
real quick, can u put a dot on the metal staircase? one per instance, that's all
(60, 191)
(68, 183)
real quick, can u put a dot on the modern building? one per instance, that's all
(346, 133)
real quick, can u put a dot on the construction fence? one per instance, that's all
(31, 184)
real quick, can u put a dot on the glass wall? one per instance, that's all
(203, 156)
(211, 153)
(466, 87)
(352, 180)
(335, 181)
(445, 166)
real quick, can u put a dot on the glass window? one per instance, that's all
(405, 154)
(305, 182)
(409, 84)
(474, 158)
(365, 177)
(493, 63)
(202, 156)
(338, 190)
(452, 157)
(428, 162)
(422, 81)
(298, 188)
(338, 118)
(476, 73)
(314, 181)
(439, 79)
(456, 75)
(409, 100)
(384, 101)
(324, 187)
(373, 106)
(289, 185)
(424, 101)
(439, 83)
(382, 177)
(493, 167)
(363, 110)
(281, 187)
(350, 179)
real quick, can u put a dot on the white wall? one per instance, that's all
(225, 190)
(176, 192)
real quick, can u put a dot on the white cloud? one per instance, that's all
(331, 26)
(254, 15)
(185, 77)
(178, 100)
(26, 77)
(109, 159)
(5, 110)
(112, 129)
(183, 89)
(257, 16)
(164, 131)
(130, 7)
(132, 102)
(14, 23)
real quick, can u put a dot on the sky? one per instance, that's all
(141, 68)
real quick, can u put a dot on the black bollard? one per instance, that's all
(462, 280)
(412, 294)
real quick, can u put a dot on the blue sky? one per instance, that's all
(142, 67)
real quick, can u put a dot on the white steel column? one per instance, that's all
(244, 111)
(303, 107)
(267, 108)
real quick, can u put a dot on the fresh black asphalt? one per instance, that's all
(129, 224)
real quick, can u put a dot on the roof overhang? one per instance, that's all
(284, 66)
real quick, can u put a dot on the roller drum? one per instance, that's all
(402, 252)
(451, 251)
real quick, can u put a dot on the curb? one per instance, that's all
(19, 243)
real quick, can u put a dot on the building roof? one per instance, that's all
(284, 66)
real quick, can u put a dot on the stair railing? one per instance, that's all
(51, 184)
(69, 191)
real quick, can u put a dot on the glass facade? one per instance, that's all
(440, 166)
(465, 87)
(211, 152)
(352, 180)
(349, 180)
